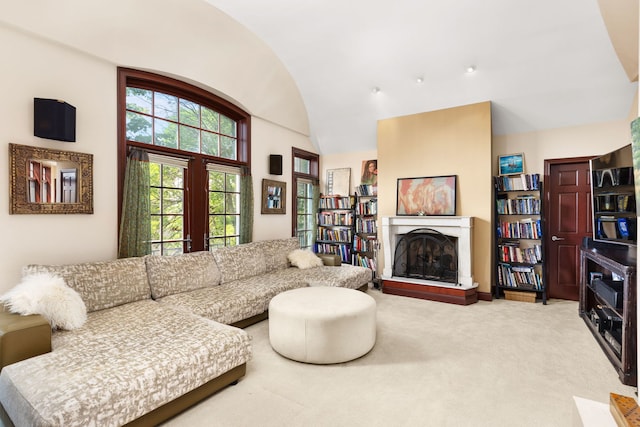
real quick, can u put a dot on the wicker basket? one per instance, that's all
(520, 296)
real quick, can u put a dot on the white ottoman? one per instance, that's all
(322, 324)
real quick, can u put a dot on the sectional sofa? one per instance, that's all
(161, 334)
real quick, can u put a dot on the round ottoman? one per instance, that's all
(322, 324)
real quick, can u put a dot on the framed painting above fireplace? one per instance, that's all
(431, 195)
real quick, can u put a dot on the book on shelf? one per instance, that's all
(623, 228)
(367, 190)
(518, 182)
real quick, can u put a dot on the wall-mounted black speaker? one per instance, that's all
(275, 164)
(53, 119)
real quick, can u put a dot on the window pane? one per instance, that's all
(172, 248)
(233, 203)
(156, 249)
(172, 176)
(172, 201)
(233, 182)
(216, 203)
(216, 181)
(232, 241)
(228, 148)
(309, 225)
(216, 225)
(166, 106)
(154, 174)
(301, 222)
(189, 139)
(172, 227)
(231, 226)
(138, 127)
(227, 126)
(139, 100)
(301, 165)
(156, 227)
(155, 200)
(216, 243)
(209, 120)
(210, 143)
(189, 113)
(166, 134)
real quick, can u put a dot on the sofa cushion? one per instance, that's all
(238, 262)
(125, 362)
(345, 276)
(234, 301)
(275, 252)
(181, 273)
(102, 284)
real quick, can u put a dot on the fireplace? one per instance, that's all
(426, 254)
(414, 239)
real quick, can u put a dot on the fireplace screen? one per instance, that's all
(426, 254)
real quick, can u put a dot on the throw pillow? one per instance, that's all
(303, 259)
(49, 296)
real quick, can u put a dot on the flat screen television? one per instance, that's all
(614, 205)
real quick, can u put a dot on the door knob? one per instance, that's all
(556, 238)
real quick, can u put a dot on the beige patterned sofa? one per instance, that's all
(161, 334)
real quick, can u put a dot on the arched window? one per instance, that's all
(198, 151)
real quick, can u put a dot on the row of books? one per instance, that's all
(364, 261)
(523, 181)
(335, 202)
(335, 218)
(524, 229)
(526, 205)
(369, 207)
(365, 225)
(326, 248)
(367, 190)
(519, 277)
(514, 253)
(334, 234)
(363, 244)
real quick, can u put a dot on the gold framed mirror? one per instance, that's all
(46, 181)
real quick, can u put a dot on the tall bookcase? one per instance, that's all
(365, 238)
(518, 238)
(335, 226)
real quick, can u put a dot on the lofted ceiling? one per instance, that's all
(543, 64)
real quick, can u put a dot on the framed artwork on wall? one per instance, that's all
(511, 164)
(338, 182)
(274, 197)
(47, 181)
(433, 195)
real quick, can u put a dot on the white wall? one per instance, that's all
(33, 66)
(351, 160)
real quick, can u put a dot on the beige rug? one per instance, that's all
(499, 363)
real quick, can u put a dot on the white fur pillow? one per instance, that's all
(303, 258)
(49, 296)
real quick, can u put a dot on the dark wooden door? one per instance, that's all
(568, 220)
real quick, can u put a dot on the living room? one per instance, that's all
(60, 52)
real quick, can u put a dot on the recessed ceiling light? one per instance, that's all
(471, 69)
(420, 79)
(375, 90)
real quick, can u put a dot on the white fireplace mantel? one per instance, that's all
(455, 226)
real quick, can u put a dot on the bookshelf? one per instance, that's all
(335, 226)
(365, 238)
(518, 237)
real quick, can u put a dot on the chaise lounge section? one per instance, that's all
(161, 334)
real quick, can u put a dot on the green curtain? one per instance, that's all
(314, 209)
(246, 206)
(135, 226)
